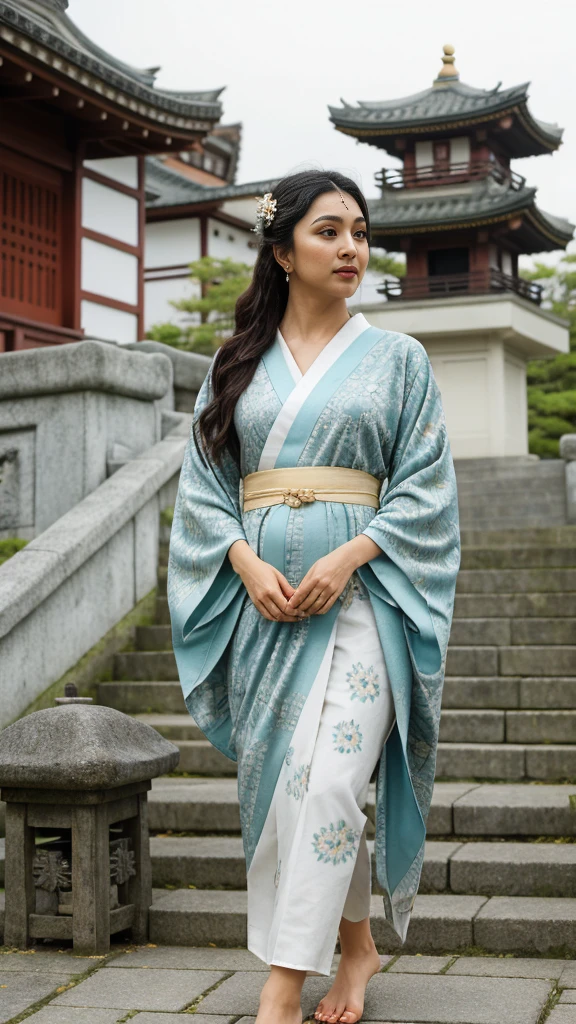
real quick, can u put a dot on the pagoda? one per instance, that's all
(462, 216)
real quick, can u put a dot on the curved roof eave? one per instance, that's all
(431, 108)
(54, 31)
(173, 189)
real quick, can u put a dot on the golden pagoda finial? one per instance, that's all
(448, 72)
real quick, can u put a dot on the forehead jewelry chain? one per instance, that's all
(340, 194)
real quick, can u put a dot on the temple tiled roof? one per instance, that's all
(43, 30)
(473, 204)
(166, 187)
(448, 104)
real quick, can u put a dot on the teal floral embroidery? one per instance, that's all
(298, 785)
(289, 754)
(363, 683)
(347, 737)
(336, 842)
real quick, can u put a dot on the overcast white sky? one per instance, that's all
(284, 61)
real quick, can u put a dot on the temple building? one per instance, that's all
(187, 218)
(463, 216)
(77, 126)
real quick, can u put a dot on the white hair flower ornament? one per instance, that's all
(265, 211)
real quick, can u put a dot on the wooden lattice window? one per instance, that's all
(30, 241)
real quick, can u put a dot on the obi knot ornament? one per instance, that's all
(295, 496)
(310, 708)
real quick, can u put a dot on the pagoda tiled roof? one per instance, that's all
(44, 31)
(166, 187)
(476, 203)
(452, 103)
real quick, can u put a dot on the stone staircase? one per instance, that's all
(518, 492)
(500, 867)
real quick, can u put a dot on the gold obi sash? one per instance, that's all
(297, 485)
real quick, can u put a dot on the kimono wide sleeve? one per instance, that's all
(205, 594)
(416, 525)
(412, 583)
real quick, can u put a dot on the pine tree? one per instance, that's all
(221, 282)
(552, 382)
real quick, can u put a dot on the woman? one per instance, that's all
(311, 578)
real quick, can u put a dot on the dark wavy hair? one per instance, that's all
(260, 308)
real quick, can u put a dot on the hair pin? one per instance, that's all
(265, 211)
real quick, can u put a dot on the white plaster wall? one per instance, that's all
(104, 322)
(526, 328)
(110, 272)
(119, 168)
(516, 409)
(244, 209)
(169, 243)
(464, 382)
(110, 212)
(424, 154)
(460, 150)
(230, 242)
(506, 262)
(157, 300)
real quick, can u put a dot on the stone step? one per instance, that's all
(504, 467)
(163, 611)
(499, 726)
(563, 535)
(553, 762)
(537, 660)
(143, 697)
(541, 726)
(173, 727)
(515, 924)
(472, 661)
(516, 581)
(193, 805)
(489, 869)
(521, 557)
(200, 757)
(513, 606)
(475, 515)
(505, 632)
(457, 809)
(553, 692)
(154, 638)
(145, 665)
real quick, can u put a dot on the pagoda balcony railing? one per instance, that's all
(476, 282)
(473, 170)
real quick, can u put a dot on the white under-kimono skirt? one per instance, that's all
(311, 865)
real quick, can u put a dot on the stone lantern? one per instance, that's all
(75, 779)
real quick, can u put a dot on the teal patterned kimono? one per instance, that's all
(369, 402)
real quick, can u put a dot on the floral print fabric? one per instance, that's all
(313, 851)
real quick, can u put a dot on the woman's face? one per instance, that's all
(330, 249)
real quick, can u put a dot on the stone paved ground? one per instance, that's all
(153, 984)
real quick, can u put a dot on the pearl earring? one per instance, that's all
(287, 274)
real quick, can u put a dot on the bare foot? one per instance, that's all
(280, 1002)
(345, 1000)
